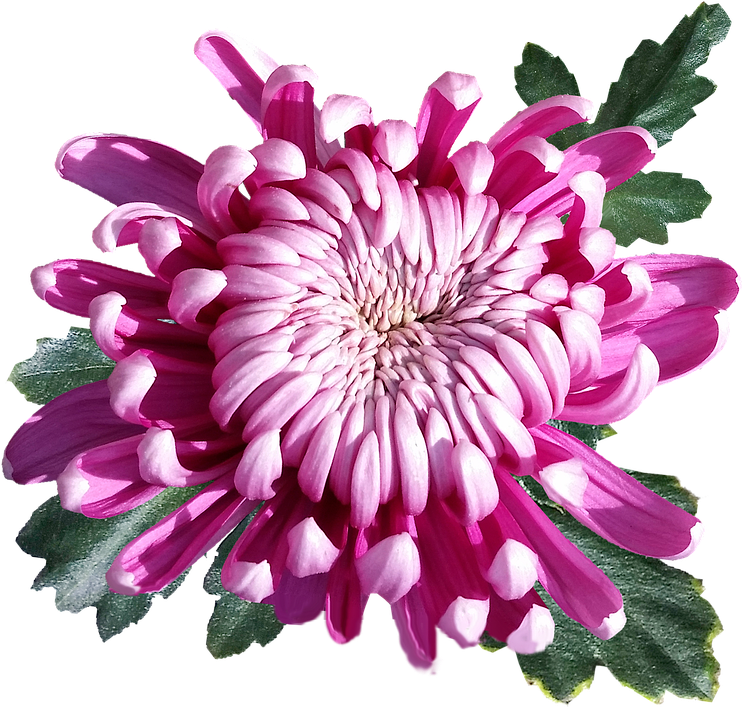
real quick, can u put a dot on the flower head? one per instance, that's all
(368, 341)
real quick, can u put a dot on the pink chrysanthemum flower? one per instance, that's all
(369, 340)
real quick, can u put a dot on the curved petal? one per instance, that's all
(225, 170)
(161, 554)
(447, 106)
(66, 427)
(105, 481)
(616, 154)
(287, 109)
(615, 505)
(122, 169)
(242, 78)
(543, 118)
(614, 400)
(72, 285)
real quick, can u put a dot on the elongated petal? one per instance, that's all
(616, 154)
(543, 118)
(241, 73)
(72, 285)
(614, 401)
(582, 590)
(619, 508)
(446, 108)
(165, 551)
(122, 169)
(37, 453)
(105, 481)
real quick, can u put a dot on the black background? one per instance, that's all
(134, 73)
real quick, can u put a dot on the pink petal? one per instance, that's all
(243, 80)
(287, 109)
(166, 550)
(616, 154)
(259, 467)
(341, 113)
(395, 143)
(122, 169)
(473, 164)
(416, 631)
(580, 588)
(464, 620)
(119, 331)
(679, 280)
(38, 452)
(105, 481)
(363, 172)
(618, 507)
(224, 172)
(345, 601)
(275, 203)
(522, 169)
(446, 108)
(390, 568)
(614, 401)
(475, 485)
(412, 456)
(543, 119)
(71, 286)
(169, 247)
(123, 225)
(278, 160)
(310, 550)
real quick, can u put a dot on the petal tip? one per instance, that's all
(611, 626)
(696, 532)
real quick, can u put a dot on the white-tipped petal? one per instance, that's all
(390, 568)
(514, 570)
(464, 620)
(534, 634)
(311, 551)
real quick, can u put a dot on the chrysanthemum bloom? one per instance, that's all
(369, 341)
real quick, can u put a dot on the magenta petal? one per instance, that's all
(543, 119)
(580, 588)
(345, 601)
(105, 481)
(616, 154)
(122, 169)
(67, 426)
(166, 550)
(447, 106)
(684, 280)
(619, 508)
(243, 79)
(287, 109)
(415, 629)
(299, 600)
(72, 285)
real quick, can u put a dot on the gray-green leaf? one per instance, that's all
(79, 550)
(61, 365)
(643, 206)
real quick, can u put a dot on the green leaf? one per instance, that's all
(588, 433)
(666, 644)
(79, 550)
(658, 85)
(235, 624)
(643, 206)
(542, 75)
(61, 365)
